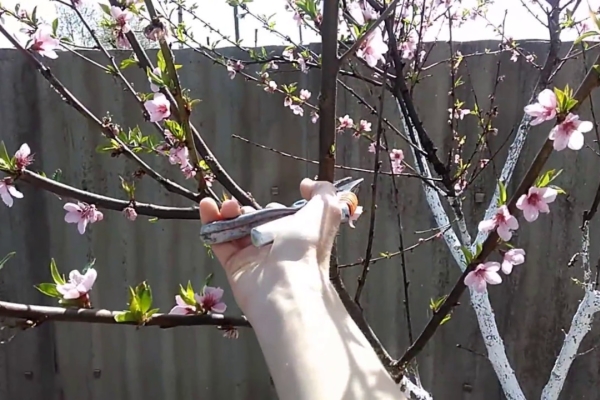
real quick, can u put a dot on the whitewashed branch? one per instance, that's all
(480, 301)
(514, 151)
(413, 391)
(581, 324)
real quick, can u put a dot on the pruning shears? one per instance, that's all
(249, 224)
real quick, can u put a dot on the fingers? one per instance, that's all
(310, 188)
(209, 212)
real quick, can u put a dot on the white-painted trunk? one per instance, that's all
(480, 302)
(413, 391)
(580, 326)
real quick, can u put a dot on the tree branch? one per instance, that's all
(39, 314)
(105, 202)
(106, 129)
(327, 99)
(591, 81)
(220, 174)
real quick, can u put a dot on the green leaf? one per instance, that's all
(584, 36)
(56, 277)
(125, 316)
(547, 177)
(207, 281)
(4, 155)
(128, 62)
(446, 319)
(152, 220)
(57, 175)
(49, 289)
(150, 313)
(127, 187)
(160, 62)
(478, 249)
(144, 294)
(6, 258)
(105, 8)
(54, 26)
(134, 303)
(503, 196)
(467, 253)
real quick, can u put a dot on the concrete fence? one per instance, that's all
(80, 361)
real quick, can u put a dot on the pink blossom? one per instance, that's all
(288, 54)
(511, 258)
(8, 191)
(122, 18)
(182, 308)
(372, 148)
(121, 41)
(23, 156)
(409, 46)
(544, 109)
(82, 214)
(503, 222)
(158, 108)
(211, 300)
(179, 155)
(396, 158)
(188, 171)
(297, 109)
(79, 3)
(78, 285)
(288, 101)
(535, 202)
(460, 185)
(298, 18)
(302, 64)
(482, 275)
(362, 12)
(373, 48)
(345, 122)
(458, 113)
(570, 133)
(154, 87)
(43, 43)
(314, 117)
(271, 87)
(130, 213)
(234, 68)
(364, 126)
(304, 95)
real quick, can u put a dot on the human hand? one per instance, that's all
(307, 235)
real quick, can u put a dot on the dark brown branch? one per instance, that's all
(590, 82)
(107, 130)
(327, 99)
(40, 314)
(106, 202)
(362, 279)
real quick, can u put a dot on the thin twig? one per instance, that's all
(106, 202)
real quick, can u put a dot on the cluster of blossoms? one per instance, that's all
(568, 132)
